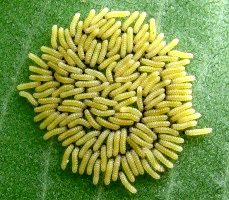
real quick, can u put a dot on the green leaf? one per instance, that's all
(30, 167)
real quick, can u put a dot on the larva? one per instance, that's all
(73, 24)
(91, 120)
(169, 47)
(127, 102)
(93, 27)
(81, 47)
(164, 103)
(153, 95)
(170, 145)
(123, 137)
(195, 132)
(109, 74)
(38, 61)
(111, 30)
(127, 169)
(175, 75)
(66, 56)
(102, 113)
(62, 89)
(111, 87)
(150, 84)
(153, 30)
(108, 61)
(84, 161)
(149, 170)
(124, 95)
(161, 85)
(48, 120)
(115, 14)
(73, 138)
(125, 67)
(137, 162)
(54, 33)
(76, 59)
(179, 63)
(158, 124)
(166, 130)
(63, 79)
(130, 20)
(89, 39)
(179, 97)
(135, 146)
(91, 162)
(141, 134)
(95, 55)
(45, 107)
(79, 121)
(129, 78)
(66, 156)
(44, 94)
(105, 101)
(180, 54)
(69, 40)
(89, 19)
(88, 95)
(182, 114)
(71, 92)
(122, 62)
(141, 51)
(58, 69)
(166, 151)
(86, 147)
(75, 153)
(149, 78)
(162, 158)
(56, 121)
(98, 88)
(149, 69)
(62, 40)
(131, 163)
(99, 16)
(185, 125)
(25, 86)
(141, 33)
(139, 22)
(189, 118)
(151, 158)
(109, 170)
(113, 39)
(156, 42)
(171, 138)
(96, 171)
(40, 71)
(71, 132)
(73, 103)
(146, 130)
(172, 70)
(110, 144)
(154, 102)
(90, 51)
(78, 34)
(165, 59)
(121, 89)
(107, 124)
(154, 118)
(105, 27)
(95, 105)
(70, 118)
(29, 97)
(49, 100)
(116, 143)
(40, 78)
(179, 92)
(87, 137)
(140, 142)
(116, 47)
(179, 86)
(141, 42)
(43, 115)
(82, 77)
(116, 168)
(126, 183)
(132, 69)
(51, 51)
(103, 51)
(103, 158)
(54, 132)
(131, 110)
(152, 63)
(184, 79)
(97, 74)
(130, 39)
(123, 45)
(100, 140)
(127, 116)
(155, 51)
(138, 82)
(159, 111)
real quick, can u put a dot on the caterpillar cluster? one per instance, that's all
(115, 94)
